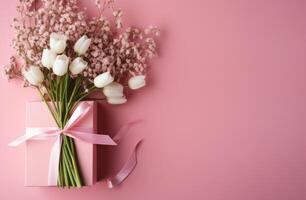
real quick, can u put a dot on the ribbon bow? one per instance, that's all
(78, 133)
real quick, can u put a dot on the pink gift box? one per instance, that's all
(38, 151)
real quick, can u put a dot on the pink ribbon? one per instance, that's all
(78, 133)
(126, 170)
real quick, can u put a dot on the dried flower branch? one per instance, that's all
(125, 53)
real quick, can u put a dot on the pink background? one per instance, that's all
(224, 111)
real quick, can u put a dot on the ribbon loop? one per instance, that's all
(77, 115)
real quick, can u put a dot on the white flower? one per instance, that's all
(103, 79)
(137, 82)
(114, 93)
(60, 66)
(48, 58)
(82, 45)
(77, 65)
(116, 100)
(34, 75)
(113, 89)
(58, 42)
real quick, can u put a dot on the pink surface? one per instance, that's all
(38, 151)
(224, 111)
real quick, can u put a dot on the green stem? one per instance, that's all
(52, 100)
(65, 93)
(57, 99)
(70, 103)
(66, 182)
(60, 181)
(71, 169)
(49, 107)
(74, 163)
(71, 144)
(68, 166)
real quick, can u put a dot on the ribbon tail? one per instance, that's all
(19, 140)
(91, 138)
(54, 161)
(126, 170)
(123, 130)
(35, 133)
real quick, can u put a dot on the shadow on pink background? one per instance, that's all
(224, 111)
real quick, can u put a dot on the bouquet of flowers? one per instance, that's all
(65, 56)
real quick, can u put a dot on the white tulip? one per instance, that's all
(34, 75)
(60, 66)
(77, 65)
(48, 58)
(82, 45)
(137, 82)
(58, 42)
(113, 89)
(103, 79)
(116, 100)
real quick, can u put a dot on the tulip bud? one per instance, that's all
(34, 75)
(113, 90)
(82, 45)
(103, 79)
(77, 66)
(48, 58)
(58, 42)
(116, 100)
(60, 66)
(137, 82)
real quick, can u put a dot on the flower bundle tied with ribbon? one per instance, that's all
(78, 133)
(67, 56)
